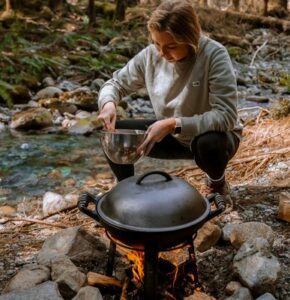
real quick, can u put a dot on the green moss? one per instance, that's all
(284, 80)
(235, 52)
(6, 91)
(280, 109)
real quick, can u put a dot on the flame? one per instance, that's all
(137, 258)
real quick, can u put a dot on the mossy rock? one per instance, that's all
(29, 80)
(280, 108)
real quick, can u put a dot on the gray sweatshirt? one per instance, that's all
(201, 90)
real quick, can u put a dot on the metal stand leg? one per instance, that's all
(192, 259)
(150, 273)
(111, 259)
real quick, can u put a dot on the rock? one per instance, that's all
(82, 114)
(53, 202)
(259, 99)
(48, 92)
(232, 287)
(67, 276)
(199, 296)
(28, 277)
(20, 94)
(227, 231)
(266, 296)
(85, 126)
(29, 80)
(241, 294)
(4, 118)
(207, 236)
(256, 267)
(48, 81)
(33, 118)
(7, 211)
(251, 230)
(2, 127)
(67, 85)
(45, 291)
(73, 242)
(88, 293)
(56, 104)
(83, 98)
(97, 84)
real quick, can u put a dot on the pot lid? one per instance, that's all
(154, 201)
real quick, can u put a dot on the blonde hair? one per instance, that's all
(178, 18)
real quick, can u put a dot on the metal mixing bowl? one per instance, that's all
(121, 145)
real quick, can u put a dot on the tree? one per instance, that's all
(266, 7)
(121, 6)
(92, 11)
(236, 4)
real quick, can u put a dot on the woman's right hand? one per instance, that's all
(108, 116)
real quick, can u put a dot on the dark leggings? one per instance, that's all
(211, 151)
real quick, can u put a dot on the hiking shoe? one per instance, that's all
(221, 187)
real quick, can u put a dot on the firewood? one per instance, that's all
(125, 288)
(96, 279)
(284, 207)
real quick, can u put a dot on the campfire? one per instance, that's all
(152, 213)
(176, 279)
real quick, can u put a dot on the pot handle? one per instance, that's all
(219, 203)
(84, 200)
(166, 175)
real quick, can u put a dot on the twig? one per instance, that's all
(252, 108)
(37, 221)
(125, 288)
(256, 52)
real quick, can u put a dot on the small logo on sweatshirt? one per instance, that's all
(195, 83)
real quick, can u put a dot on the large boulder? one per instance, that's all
(74, 243)
(45, 291)
(28, 277)
(33, 118)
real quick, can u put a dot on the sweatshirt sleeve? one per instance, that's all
(124, 81)
(222, 98)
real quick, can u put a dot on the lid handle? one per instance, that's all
(166, 175)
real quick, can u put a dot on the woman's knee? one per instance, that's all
(211, 143)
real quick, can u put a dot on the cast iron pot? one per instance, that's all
(152, 209)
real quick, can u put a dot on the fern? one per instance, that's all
(5, 93)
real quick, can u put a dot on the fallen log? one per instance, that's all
(96, 279)
(230, 39)
(257, 21)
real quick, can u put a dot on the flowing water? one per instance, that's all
(32, 164)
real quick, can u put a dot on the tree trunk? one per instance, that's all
(92, 11)
(7, 5)
(205, 3)
(266, 7)
(284, 4)
(236, 4)
(121, 6)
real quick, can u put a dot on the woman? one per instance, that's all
(191, 83)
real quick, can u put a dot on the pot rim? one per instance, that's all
(123, 131)
(111, 222)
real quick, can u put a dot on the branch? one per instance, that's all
(256, 52)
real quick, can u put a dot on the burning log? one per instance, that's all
(125, 288)
(96, 279)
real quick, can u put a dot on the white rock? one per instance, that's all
(53, 202)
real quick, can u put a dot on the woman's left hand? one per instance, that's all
(155, 133)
